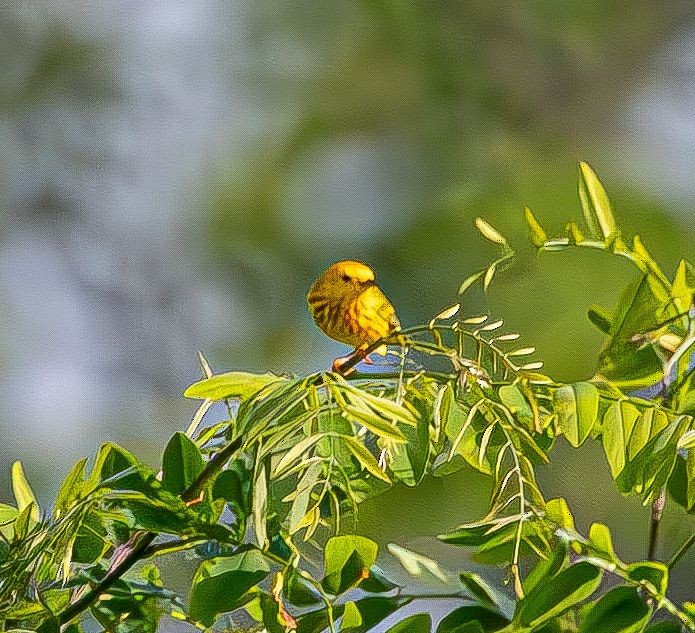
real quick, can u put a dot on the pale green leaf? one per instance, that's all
(23, 493)
(576, 406)
(595, 203)
(490, 233)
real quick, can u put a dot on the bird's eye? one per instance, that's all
(346, 277)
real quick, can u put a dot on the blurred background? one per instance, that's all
(174, 175)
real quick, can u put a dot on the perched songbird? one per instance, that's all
(349, 307)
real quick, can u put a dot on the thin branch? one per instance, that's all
(657, 513)
(139, 544)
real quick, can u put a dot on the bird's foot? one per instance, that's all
(338, 363)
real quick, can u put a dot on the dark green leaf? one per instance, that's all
(652, 572)
(621, 610)
(181, 464)
(681, 484)
(376, 582)
(601, 318)
(418, 623)
(221, 584)
(298, 591)
(549, 599)
(456, 621)
(546, 568)
(482, 592)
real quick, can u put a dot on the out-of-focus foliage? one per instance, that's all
(251, 496)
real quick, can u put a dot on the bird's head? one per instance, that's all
(344, 278)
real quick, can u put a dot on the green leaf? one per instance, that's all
(298, 591)
(418, 623)
(618, 422)
(601, 542)
(486, 595)
(298, 518)
(513, 398)
(620, 610)
(221, 584)
(374, 423)
(549, 599)
(546, 568)
(181, 464)
(409, 461)
(601, 318)
(365, 458)
(23, 521)
(558, 511)
(538, 234)
(490, 233)
(91, 540)
(70, 488)
(8, 514)
(651, 572)
(260, 506)
(469, 281)
(296, 453)
(576, 406)
(110, 461)
(376, 582)
(347, 560)
(642, 307)
(467, 617)
(228, 486)
(371, 610)
(595, 204)
(352, 618)
(240, 385)
(425, 569)
(684, 285)
(649, 469)
(681, 484)
(23, 493)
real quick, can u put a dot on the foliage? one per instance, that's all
(252, 495)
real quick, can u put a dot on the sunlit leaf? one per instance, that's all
(233, 384)
(576, 406)
(347, 560)
(365, 458)
(23, 493)
(538, 235)
(595, 204)
(469, 281)
(490, 233)
(425, 569)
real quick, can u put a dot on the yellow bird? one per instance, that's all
(348, 306)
